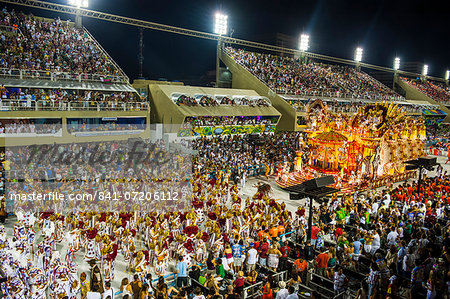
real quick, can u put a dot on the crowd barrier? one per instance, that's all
(60, 76)
(47, 105)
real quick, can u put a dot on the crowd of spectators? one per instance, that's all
(227, 101)
(55, 46)
(109, 126)
(29, 126)
(437, 92)
(286, 75)
(208, 101)
(350, 107)
(184, 100)
(240, 154)
(226, 121)
(60, 98)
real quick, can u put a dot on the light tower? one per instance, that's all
(424, 72)
(358, 58)
(303, 45)
(79, 4)
(396, 68)
(220, 28)
(447, 76)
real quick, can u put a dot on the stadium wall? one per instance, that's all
(66, 136)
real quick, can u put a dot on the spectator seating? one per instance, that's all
(286, 75)
(437, 92)
(52, 49)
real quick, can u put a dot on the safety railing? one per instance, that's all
(341, 95)
(47, 105)
(53, 75)
(348, 108)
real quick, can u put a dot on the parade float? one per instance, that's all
(367, 149)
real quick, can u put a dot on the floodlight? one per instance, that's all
(447, 75)
(304, 42)
(358, 54)
(221, 24)
(396, 63)
(79, 3)
(425, 69)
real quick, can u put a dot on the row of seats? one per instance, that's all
(286, 75)
(436, 91)
(51, 45)
(210, 101)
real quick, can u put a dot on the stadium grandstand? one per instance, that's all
(435, 90)
(45, 49)
(57, 81)
(290, 76)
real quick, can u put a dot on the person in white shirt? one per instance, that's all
(375, 243)
(109, 291)
(283, 293)
(292, 294)
(94, 294)
(387, 200)
(375, 207)
(252, 255)
(392, 237)
(198, 293)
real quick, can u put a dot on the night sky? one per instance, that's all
(412, 30)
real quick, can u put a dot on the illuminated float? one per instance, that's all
(364, 150)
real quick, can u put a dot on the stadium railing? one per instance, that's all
(44, 105)
(340, 95)
(60, 76)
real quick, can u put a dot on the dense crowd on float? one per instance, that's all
(286, 75)
(437, 92)
(50, 45)
(208, 101)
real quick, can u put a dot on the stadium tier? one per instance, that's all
(59, 84)
(289, 76)
(436, 91)
(427, 92)
(44, 49)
